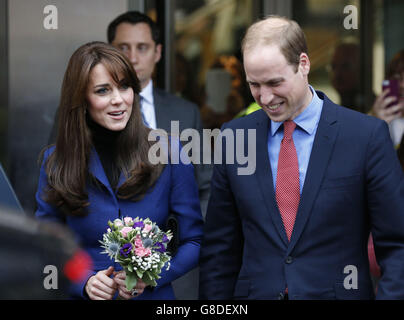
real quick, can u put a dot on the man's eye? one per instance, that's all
(124, 48)
(143, 48)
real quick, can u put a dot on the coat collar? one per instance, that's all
(323, 146)
(264, 174)
(96, 169)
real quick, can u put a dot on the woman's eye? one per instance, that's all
(101, 91)
(124, 86)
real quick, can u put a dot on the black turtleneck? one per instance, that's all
(105, 142)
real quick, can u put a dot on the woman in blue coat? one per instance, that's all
(100, 170)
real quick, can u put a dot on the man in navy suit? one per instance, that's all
(138, 36)
(298, 227)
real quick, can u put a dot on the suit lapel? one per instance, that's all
(264, 175)
(322, 148)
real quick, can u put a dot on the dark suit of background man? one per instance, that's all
(139, 38)
(325, 177)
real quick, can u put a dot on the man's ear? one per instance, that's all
(157, 57)
(304, 64)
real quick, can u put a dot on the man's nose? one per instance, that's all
(266, 96)
(132, 55)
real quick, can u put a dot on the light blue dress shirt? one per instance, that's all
(147, 106)
(303, 138)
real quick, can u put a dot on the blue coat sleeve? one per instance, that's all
(184, 202)
(47, 212)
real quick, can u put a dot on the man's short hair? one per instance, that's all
(281, 31)
(133, 17)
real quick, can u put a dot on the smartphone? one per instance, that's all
(394, 88)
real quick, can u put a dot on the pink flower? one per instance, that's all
(142, 252)
(126, 230)
(127, 220)
(147, 228)
(138, 242)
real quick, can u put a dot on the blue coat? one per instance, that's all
(175, 191)
(354, 184)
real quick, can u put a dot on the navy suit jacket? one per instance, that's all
(175, 191)
(354, 185)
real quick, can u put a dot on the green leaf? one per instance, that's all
(139, 273)
(131, 280)
(150, 282)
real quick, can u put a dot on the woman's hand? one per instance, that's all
(101, 286)
(119, 278)
(381, 110)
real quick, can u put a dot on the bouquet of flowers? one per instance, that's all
(139, 246)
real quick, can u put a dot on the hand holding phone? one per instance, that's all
(394, 90)
(387, 105)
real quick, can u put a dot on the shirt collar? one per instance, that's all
(147, 93)
(308, 119)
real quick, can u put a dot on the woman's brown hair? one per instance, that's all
(67, 167)
(396, 66)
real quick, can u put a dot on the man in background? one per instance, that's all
(345, 75)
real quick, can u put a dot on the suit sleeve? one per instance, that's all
(385, 194)
(184, 202)
(222, 247)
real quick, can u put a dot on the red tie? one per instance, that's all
(287, 179)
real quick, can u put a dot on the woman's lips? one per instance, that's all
(117, 115)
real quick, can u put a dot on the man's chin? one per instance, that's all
(276, 115)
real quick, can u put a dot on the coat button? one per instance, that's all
(289, 260)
